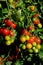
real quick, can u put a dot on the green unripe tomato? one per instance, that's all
(20, 45)
(23, 47)
(12, 40)
(27, 37)
(30, 50)
(34, 43)
(36, 50)
(10, 1)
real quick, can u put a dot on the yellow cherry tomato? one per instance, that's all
(40, 25)
(38, 46)
(29, 45)
(32, 7)
(8, 43)
(22, 39)
(7, 38)
(10, 1)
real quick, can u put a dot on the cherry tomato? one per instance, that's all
(36, 15)
(33, 37)
(12, 40)
(40, 25)
(7, 37)
(0, 58)
(30, 40)
(28, 33)
(1, 62)
(36, 50)
(31, 27)
(32, 7)
(29, 46)
(38, 46)
(11, 33)
(36, 21)
(30, 51)
(8, 43)
(34, 44)
(6, 20)
(6, 32)
(27, 37)
(38, 40)
(24, 47)
(9, 23)
(10, 1)
(1, 30)
(24, 31)
(13, 25)
(22, 39)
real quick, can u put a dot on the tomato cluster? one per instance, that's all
(9, 23)
(8, 33)
(36, 20)
(29, 42)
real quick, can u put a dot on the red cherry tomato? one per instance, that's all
(37, 21)
(9, 23)
(24, 31)
(1, 58)
(38, 40)
(28, 33)
(36, 15)
(30, 40)
(31, 27)
(1, 30)
(34, 38)
(6, 32)
(13, 25)
(6, 20)
(11, 33)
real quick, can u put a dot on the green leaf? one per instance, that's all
(18, 62)
(41, 52)
(5, 10)
(8, 63)
(41, 36)
(29, 59)
(2, 56)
